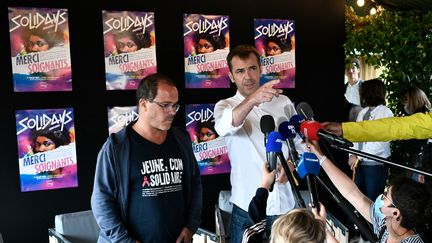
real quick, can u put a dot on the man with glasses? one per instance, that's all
(147, 185)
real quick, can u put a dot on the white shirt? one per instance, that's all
(381, 149)
(352, 93)
(246, 151)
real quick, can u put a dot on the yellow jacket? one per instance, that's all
(416, 126)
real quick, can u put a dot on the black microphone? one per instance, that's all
(313, 130)
(267, 125)
(288, 132)
(309, 167)
(305, 110)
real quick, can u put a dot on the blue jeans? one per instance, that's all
(240, 222)
(371, 180)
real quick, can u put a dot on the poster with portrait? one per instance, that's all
(46, 149)
(206, 46)
(120, 116)
(209, 148)
(129, 48)
(275, 42)
(40, 51)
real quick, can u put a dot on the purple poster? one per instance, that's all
(209, 148)
(120, 116)
(275, 42)
(46, 149)
(206, 46)
(130, 48)
(40, 51)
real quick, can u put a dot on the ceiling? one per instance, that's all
(395, 5)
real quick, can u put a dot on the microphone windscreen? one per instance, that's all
(296, 120)
(274, 142)
(267, 124)
(308, 165)
(305, 109)
(287, 130)
(310, 129)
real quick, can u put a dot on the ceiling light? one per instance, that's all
(373, 11)
(360, 3)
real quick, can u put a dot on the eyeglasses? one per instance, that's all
(167, 106)
(384, 195)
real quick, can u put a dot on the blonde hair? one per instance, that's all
(298, 226)
(416, 100)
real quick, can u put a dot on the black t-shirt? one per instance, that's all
(156, 200)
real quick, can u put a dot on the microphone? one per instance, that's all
(305, 109)
(267, 125)
(296, 121)
(309, 167)
(288, 132)
(273, 149)
(313, 130)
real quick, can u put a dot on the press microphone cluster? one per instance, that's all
(305, 126)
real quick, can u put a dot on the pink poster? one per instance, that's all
(40, 50)
(130, 48)
(46, 149)
(206, 46)
(209, 148)
(275, 42)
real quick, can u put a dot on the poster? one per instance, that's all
(206, 46)
(209, 148)
(120, 116)
(275, 42)
(40, 50)
(46, 149)
(129, 48)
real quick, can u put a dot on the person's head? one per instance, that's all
(157, 98)
(206, 131)
(127, 41)
(245, 69)
(408, 202)
(372, 93)
(275, 46)
(415, 100)
(206, 43)
(47, 139)
(37, 40)
(352, 70)
(299, 225)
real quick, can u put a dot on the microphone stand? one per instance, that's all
(290, 177)
(358, 220)
(377, 158)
